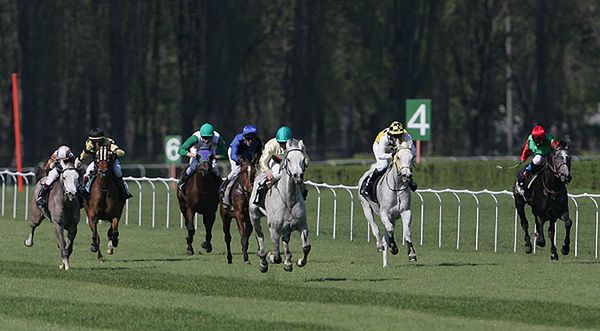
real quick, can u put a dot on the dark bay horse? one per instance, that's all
(105, 202)
(240, 197)
(201, 196)
(62, 210)
(548, 199)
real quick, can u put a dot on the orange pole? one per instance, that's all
(15, 93)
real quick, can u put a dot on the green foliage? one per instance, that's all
(474, 175)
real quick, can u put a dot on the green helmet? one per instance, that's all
(283, 134)
(206, 130)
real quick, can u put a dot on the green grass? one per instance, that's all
(151, 284)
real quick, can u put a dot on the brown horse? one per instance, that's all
(201, 196)
(240, 197)
(105, 201)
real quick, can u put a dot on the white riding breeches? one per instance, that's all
(538, 159)
(381, 164)
(52, 176)
(235, 168)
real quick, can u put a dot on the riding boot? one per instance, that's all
(124, 188)
(369, 181)
(42, 197)
(183, 180)
(261, 191)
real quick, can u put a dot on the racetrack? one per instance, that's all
(151, 284)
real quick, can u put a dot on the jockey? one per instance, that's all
(384, 146)
(539, 143)
(205, 138)
(96, 139)
(244, 146)
(63, 153)
(270, 160)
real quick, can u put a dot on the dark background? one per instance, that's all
(336, 72)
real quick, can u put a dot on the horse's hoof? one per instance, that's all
(412, 258)
(380, 248)
(207, 246)
(540, 243)
(554, 257)
(190, 251)
(565, 250)
(288, 267)
(93, 248)
(301, 262)
(28, 243)
(263, 267)
(247, 262)
(528, 249)
(394, 249)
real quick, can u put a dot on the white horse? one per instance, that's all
(393, 195)
(285, 209)
(62, 210)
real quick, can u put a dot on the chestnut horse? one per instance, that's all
(105, 201)
(201, 196)
(240, 197)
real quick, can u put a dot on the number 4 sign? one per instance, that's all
(418, 119)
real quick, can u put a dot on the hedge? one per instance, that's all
(474, 175)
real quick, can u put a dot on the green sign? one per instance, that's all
(418, 119)
(172, 144)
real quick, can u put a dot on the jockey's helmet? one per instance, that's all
(63, 152)
(396, 128)
(538, 134)
(206, 130)
(96, 134)
(249, 131)
(283, 134)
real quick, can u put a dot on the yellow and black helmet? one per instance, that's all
(396, 128)
(96, 134)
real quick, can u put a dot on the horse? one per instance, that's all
(393, 193)
(285, 209)
(240, 196)
(62, 210)
(201, 196)
(105, 201)
(548, 199)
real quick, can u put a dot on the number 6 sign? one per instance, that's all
(418, 119)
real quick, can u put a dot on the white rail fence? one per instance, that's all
(343, 198)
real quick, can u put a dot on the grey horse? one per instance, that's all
(285, 209)
(393, 195)
(62, 210)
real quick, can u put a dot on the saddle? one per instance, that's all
(525, 190)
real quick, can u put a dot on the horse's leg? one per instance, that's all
(406, 220)
(260, 237)
(539, 229)
(191, 230)
(566, 246)
(275, 255)
(551, 230)
(287, 264)
(368, 211)
(113, 235)
(36, 220)
(242, 222)
(208, 219)
(226, 218)
(95, 246)
(520, 206)
(60, 239)
(389, 232)
(305, 245)
(71, 233)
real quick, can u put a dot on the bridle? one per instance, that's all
(285, 159)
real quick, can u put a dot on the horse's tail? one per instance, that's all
(39, 172)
